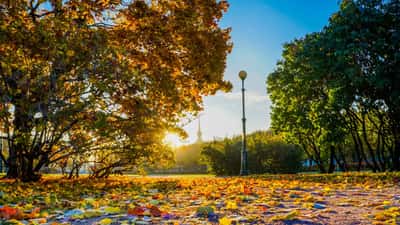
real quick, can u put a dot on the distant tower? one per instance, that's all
(199, 134)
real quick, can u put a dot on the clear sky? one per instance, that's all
(259, 28)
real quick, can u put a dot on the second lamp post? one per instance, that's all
(243, 162)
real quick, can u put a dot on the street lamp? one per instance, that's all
(243, 162)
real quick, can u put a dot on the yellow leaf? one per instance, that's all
(106, 221)
(231, 205)
(272, 203)
(308, 205)
(290, 216)
(70, 53)
(225, 221)
(387, 203)
(112, 210)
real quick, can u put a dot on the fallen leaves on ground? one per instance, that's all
(207, 200)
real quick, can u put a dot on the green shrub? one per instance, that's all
(267, 153)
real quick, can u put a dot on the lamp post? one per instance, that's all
(243, 162)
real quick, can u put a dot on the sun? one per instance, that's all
(173, 140)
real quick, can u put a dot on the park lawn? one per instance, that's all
(269, 199)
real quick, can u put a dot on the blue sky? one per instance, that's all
(259, 28)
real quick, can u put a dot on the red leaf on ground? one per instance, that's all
(155, 211)
(8, 212)
(137, 211)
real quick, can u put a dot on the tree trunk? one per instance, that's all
(380, 149)
(394, 119)
(342, 159)
(21, 166)
(318, 159)
(396, 155)
(332, 160)
(12, 171)
(369, 147)
(396, 135)
(21, 160)
(357, 151)
(71, 173)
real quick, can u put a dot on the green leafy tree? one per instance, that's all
(341, 84)
(267, 153)
(367, 42)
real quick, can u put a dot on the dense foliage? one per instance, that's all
(336, 93)
(267, 153)
(104, 79)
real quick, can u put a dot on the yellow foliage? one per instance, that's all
(231, 205)
(105, 221)
(272, 203)
(182, 196)
(308, 205)
(225, 221)
(70, 53)
(112, 210)
(289, 216)
(386, 203)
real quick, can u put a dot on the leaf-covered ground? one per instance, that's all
(288, 199)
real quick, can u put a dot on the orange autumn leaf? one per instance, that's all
(157, 196)
(137, 211)
(246, 190)
(7, 212)
(34, 213)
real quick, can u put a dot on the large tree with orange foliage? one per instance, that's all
(120, 71)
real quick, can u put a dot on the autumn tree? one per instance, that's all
(121, 73)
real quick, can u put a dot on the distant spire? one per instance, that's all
(199, 134)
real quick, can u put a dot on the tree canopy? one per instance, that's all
(336, 92)
(103, 76)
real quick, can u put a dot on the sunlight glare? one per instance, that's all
(173, 140)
